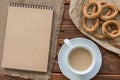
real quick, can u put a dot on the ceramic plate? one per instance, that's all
(76, 42)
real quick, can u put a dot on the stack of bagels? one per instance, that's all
(104, 25)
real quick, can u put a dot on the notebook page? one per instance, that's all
(27, 39)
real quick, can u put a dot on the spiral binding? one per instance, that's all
(31, 6)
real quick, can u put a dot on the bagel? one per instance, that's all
(112, 16)
(87, 5)
(107, 33)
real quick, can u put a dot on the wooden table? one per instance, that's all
(110, 69)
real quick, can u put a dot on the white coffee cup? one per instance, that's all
(72, 47)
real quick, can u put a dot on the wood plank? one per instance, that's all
(107, 77)
(66, 18)
(70, 33)
(59, 76)
(56, 68)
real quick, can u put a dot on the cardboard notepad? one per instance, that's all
(27, 39)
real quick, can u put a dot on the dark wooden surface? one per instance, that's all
(110, 69)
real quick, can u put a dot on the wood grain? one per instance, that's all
(58, 76)
(110, 69)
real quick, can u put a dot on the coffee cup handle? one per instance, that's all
(68, 43)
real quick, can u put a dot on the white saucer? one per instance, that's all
(62, 56)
